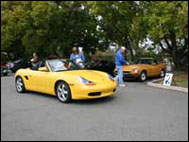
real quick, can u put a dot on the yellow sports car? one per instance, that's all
(144, 68)
(66, 80)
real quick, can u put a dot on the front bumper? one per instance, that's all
(4, 71)
(129, 75)
(93, 92)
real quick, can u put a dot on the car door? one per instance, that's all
(39, 80)
(155, 68)
(148, 66)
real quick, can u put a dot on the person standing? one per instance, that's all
(120, 61)
(81, 54)
(77, 56)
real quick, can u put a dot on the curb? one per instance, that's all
(174, 88)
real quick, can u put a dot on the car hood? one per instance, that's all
(91, 75)
(135, 66)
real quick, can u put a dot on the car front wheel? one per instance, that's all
(63, 92)
(20, 85)
(143, 76)
(162, 73)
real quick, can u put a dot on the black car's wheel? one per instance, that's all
(63, 92)
(20, 85)
(162, 73)
(4, 74)
(143, 76)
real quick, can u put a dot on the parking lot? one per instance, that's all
(135, 112)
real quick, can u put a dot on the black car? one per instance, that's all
(103, 65)
(4, 70)
(18, 64)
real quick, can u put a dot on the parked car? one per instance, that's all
(18, 64)
(4, 70)
(65, 80)
(144, 68)
(103, 65)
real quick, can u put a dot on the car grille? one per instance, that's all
(127, 74)
(95, 94)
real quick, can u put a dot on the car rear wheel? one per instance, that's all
(20, 85)
(143, 76)
(63, 92)
(162, 73)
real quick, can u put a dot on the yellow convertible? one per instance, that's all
(144, 68)
(66, 80)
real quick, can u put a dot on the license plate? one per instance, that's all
(127, 73)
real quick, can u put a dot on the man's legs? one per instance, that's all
(119, 77)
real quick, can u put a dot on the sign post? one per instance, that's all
(168, 79)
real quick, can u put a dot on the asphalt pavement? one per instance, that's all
(135, 112)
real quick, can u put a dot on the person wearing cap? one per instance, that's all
(120, 61)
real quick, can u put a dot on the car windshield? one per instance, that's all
(62, 65)
(144, 61)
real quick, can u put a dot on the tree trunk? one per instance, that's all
(128, 45)
(174, 51)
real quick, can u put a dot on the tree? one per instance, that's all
(167, 26)
(79, 26)
(47, 27)
(56, 26)
(117, 22)
(13, 26)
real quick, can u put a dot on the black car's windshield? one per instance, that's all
(144, 61)
(62, 65)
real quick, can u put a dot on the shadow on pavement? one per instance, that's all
(79, 102)
(136, 81)
(40, 94)
(94, 101)
(9, 74)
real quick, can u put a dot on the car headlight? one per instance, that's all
(135, 70)
(110, 77)
(84, 81)
(10, 65)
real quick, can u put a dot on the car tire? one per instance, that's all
(4, 74)
(20, 87)
(143, 76)
(162, 73)
(63, 92)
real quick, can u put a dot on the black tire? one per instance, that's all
(19, 83)
(61, 93)
(143, 76)
(5, 74)
(162, 73)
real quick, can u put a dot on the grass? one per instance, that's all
(181, 80)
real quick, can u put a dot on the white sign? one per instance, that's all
(168, 79)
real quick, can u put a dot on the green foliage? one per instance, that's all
(56, 26)
(167, 23)
(46, 27)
